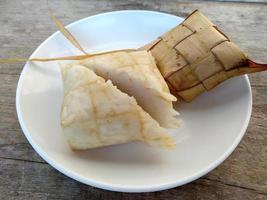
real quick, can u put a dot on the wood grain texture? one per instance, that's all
(24, 175)
(30, 180)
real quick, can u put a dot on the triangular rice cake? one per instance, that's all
(95, 113)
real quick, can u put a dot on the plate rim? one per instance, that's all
(115, 187)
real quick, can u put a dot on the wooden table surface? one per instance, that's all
(24, 175)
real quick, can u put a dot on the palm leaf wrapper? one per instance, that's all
(196, 56)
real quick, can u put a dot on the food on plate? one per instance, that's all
(135, 73)
(193, 57)
(95, 113)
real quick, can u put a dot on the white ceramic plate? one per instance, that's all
(213, 124)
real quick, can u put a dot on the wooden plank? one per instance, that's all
(242, 175)
(9, 126)
(26, 180)
(13, 144)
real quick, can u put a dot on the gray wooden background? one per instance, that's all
(24, 24)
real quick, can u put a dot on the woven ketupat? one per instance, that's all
(196, 56)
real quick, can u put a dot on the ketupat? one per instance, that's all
(196, 56)
(95, 113)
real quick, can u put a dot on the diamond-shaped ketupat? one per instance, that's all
(95, 113)
(196, 56)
